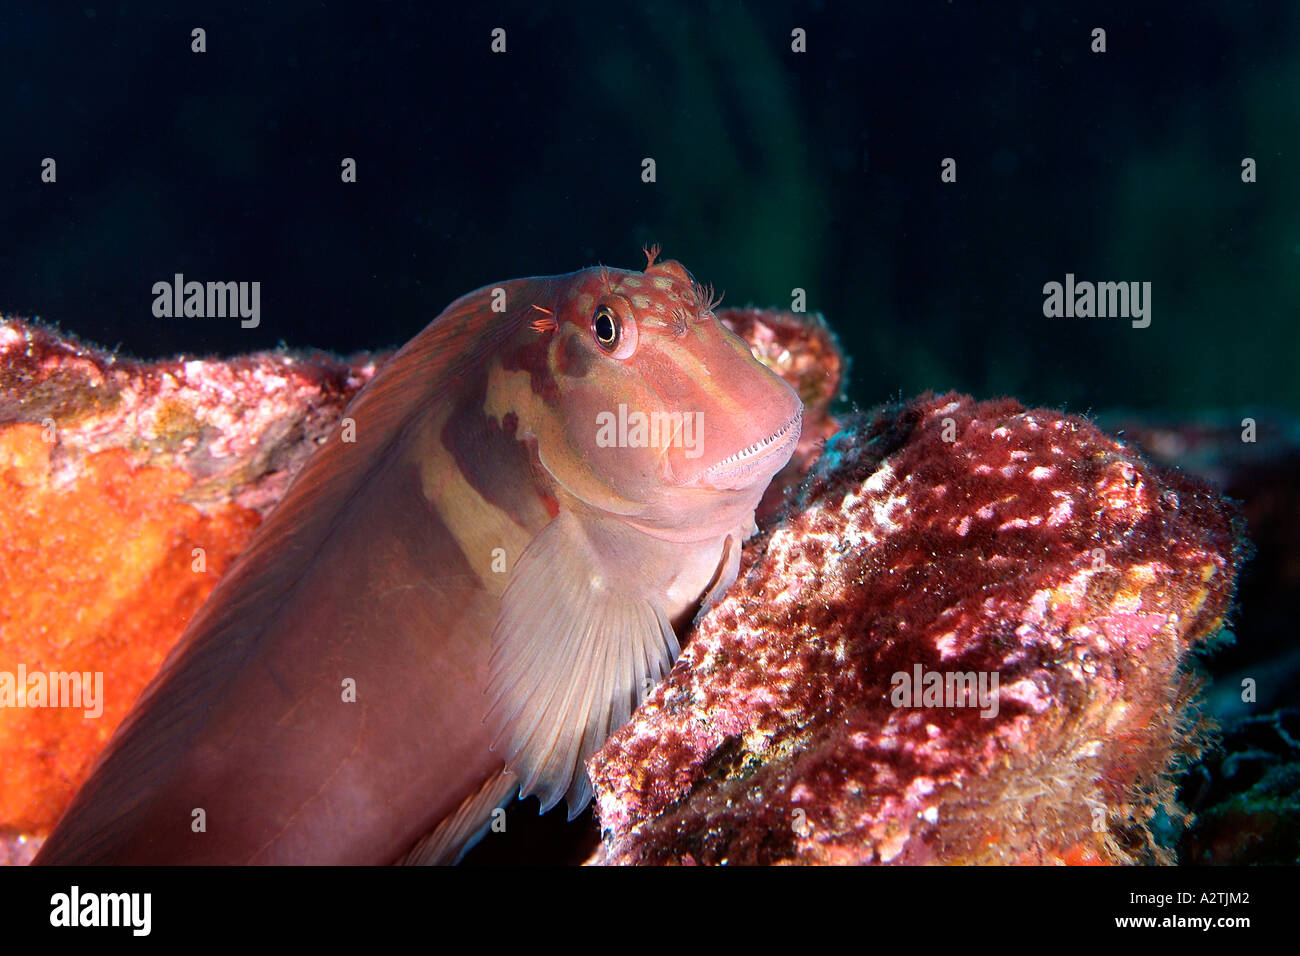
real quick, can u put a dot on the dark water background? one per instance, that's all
(775, 170)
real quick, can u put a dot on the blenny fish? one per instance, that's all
(467, 588)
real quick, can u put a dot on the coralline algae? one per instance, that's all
(986, 544)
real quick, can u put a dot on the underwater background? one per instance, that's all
(775, 170)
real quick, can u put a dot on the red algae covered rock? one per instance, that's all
(968, 641)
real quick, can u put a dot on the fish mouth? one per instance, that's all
(755, 462)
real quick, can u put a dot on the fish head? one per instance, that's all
(653, 410)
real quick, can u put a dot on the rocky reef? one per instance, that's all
(966, 642)
(964, 636)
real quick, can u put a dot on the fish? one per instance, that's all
(478, 576)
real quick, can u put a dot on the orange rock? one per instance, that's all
(106, 567)
(112, 473)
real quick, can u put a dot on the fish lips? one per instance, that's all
(754, 464)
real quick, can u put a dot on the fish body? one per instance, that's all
(466, 589)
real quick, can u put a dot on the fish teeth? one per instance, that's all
(755, 448)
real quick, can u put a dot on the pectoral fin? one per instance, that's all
(575, 649)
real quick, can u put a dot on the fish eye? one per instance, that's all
(605, 326)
